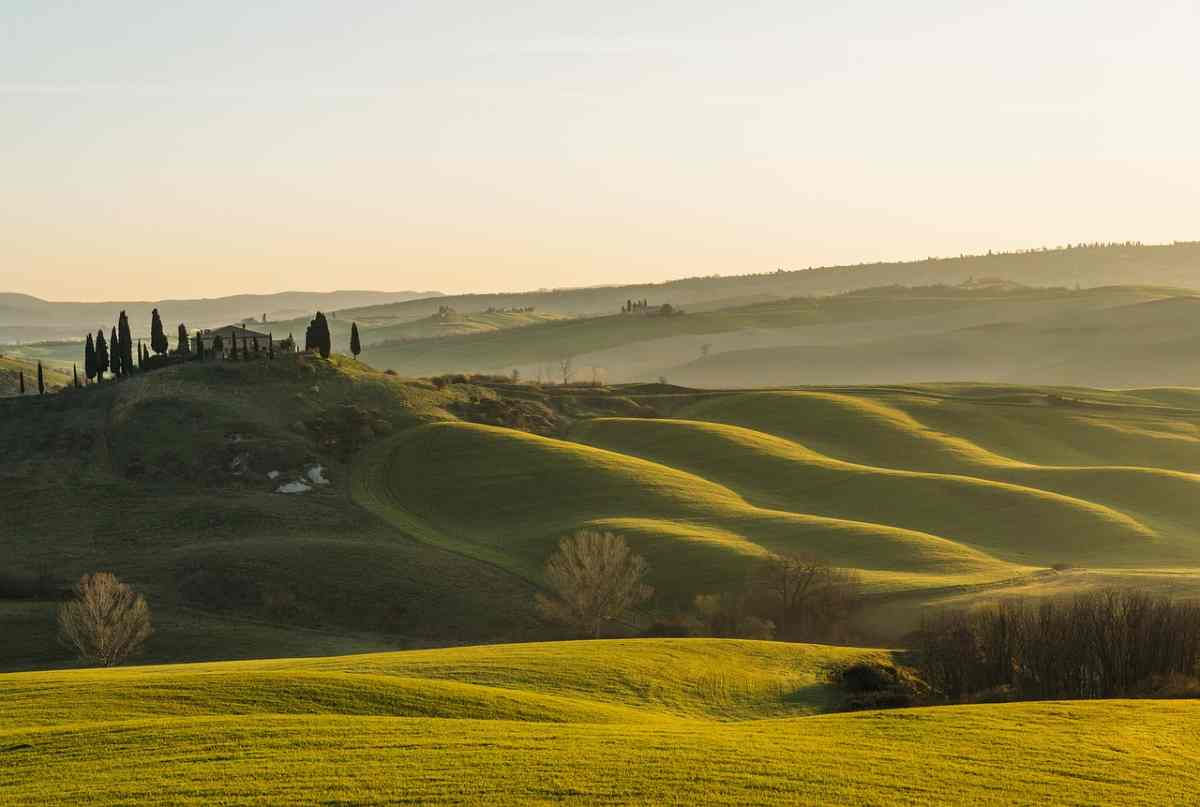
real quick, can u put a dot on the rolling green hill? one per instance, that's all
(1112, 336)
(444, 500)
(663, 721)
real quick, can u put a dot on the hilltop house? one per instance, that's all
(246, 340)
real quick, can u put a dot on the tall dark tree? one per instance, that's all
(126, 344)
(89, 359)
(41, 381)
(256, 348)
(21, 381)
(270, 346)
(316, 337)
(102, 362)
(141, 356)
(75, 373)
(116, 358)
(158, 338)
(233, 352)
(218, 345)
(184, 341)
(355, 344)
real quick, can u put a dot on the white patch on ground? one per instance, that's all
(316, 474)
(272, 475)
(294, 487)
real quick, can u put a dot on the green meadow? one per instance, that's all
(667, 721)
(436, 519)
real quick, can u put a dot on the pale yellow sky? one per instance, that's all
(150, 152)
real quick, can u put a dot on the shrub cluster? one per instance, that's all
(879, 685)
(1097, 645)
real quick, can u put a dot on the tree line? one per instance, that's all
(1102, 644)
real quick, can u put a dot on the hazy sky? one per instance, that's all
(149, 150)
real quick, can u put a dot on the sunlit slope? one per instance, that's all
(626, 680)
(644, 721)
(508, 496)
(1018, 523)
(1103, 453)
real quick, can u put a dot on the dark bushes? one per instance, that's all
(1097, 645)
(879, 685)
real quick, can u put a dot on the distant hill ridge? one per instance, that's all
(28, 318)
(1175, 265)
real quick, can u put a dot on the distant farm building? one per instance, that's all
(220, 340)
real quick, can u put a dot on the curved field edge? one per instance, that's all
(623, 680)
(469, 486)
(878, 427)
(774, 471)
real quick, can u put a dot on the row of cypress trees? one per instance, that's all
(115, 355)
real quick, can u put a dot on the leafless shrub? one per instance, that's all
(105, 622)
(595, 579)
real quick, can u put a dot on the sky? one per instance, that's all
(152, 150)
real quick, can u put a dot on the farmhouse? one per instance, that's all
(220, 340)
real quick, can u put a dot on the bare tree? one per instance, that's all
(566, 367)
(804, 596)
(595, 579)
(106, 621)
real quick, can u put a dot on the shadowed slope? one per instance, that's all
(474, 483)
(1017, 523)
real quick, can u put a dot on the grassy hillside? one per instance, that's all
(473, 483)
(12, 367)
(884, 335)
(678, 721)
(165, 480)
(445, 500)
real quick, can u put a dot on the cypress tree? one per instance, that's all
(139, 358)
(115, 356)
(41, 381)
(101, 355)
(75, 372)
(233, 354)
(126, 344)
(256, 344)
(158, 339)
(21, 381)
(321, 338)
(270, 345)
(89, 360)
(183, 340)
(355, 344)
